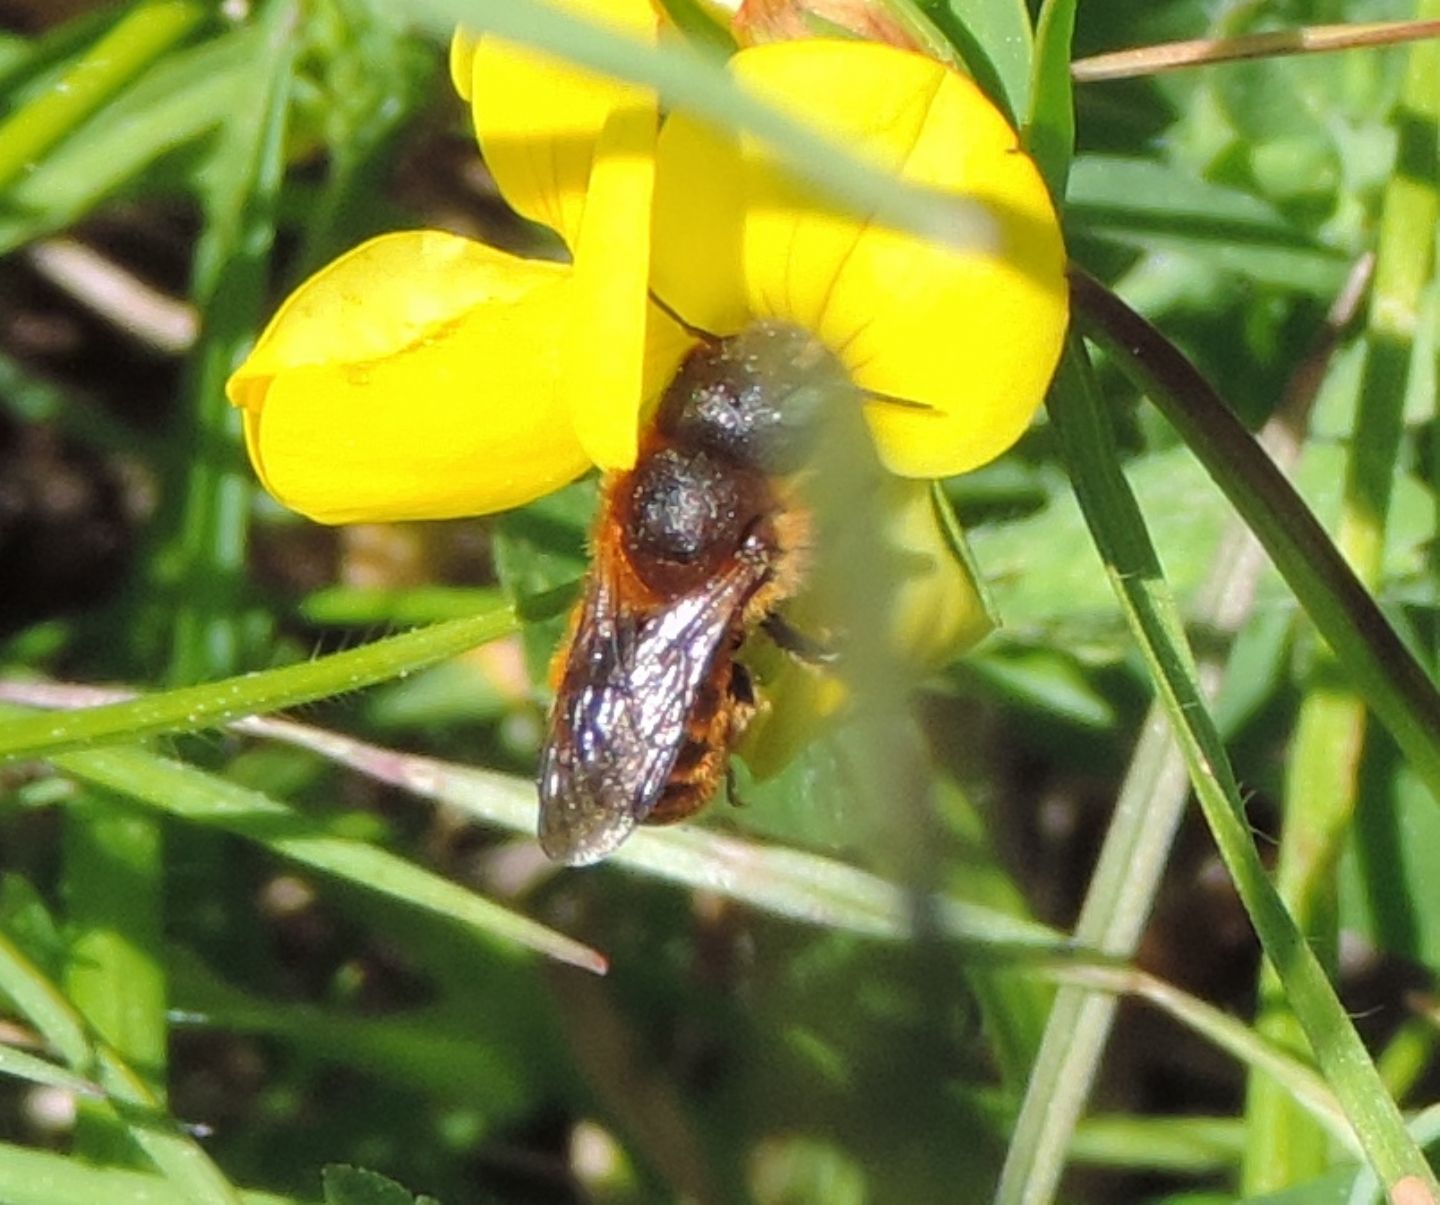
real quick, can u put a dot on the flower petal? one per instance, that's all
(462, 60)
(413, 378)
(971, 333)
(604, 359)
(697, 260)
(539, 118)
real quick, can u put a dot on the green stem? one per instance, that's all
(136, 41)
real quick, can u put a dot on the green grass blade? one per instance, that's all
(203, 571)
(1174, 1145)
(188, 1168)
(802, 886)
(1151, 805)
(1133, 567)
(194, 708)
(115, 956)
(1322, 782)
(995, 40)
(135, 42)
(1224, 1031)
(183, 98)
(791, 883)
(43, 1006)
(33, 1177)
(1050, 124)
(200, 798)
(1383, 669)
(20, 1065)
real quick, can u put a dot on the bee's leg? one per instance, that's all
(797, 643)
(742, 708)
(732, 787)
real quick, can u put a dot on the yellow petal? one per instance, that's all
(604, 358)
(697, 257)
(414, 378)
(970, 332)
(462, 59)
(539, 118)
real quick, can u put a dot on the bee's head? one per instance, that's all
(754, 399)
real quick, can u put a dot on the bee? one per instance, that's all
(693, 549)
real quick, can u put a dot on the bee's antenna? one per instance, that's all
(690, 328)
(890, 399)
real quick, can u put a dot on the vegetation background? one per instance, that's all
(242, 964)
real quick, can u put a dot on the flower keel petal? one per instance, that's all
(414, 378)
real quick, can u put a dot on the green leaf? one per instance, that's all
(995, 40)
(1050, 123)
(356, 1186)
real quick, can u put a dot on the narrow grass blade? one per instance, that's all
(1153, 796)
(32, 1177)
(1124, 544)
(1383, 669)
(20, 1065)
(802, 886)
(186, 1166)
(1322, 788)
(1050, 124)
(201, 798)
(135, 42)
(193, 708)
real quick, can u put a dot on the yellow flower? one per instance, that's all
(970, 333)
(427, 376)
(424, 375)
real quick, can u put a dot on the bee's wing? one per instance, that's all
(631, 680)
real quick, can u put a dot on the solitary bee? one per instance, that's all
(694, 548)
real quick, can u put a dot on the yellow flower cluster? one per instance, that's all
(424, 375)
